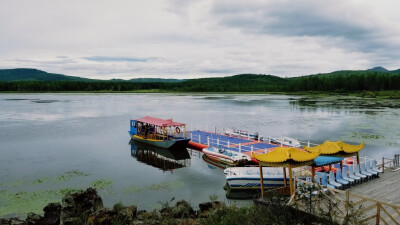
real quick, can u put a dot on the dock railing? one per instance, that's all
(344, 204)
(392, 164)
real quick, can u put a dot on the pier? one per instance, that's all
(235, 143)
(379, 198)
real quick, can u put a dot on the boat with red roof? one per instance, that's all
(159, 132)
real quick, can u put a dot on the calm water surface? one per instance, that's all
(53, 141)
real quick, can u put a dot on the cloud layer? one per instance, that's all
(187, 38)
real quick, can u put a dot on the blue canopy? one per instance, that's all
(326, 160)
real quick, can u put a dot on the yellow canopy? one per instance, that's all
(282, 154)
(331, 148)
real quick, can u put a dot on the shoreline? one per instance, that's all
(363, 94)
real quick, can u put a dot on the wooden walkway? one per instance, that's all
(379, 198)
(386, 188)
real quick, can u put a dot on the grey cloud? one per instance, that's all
(219, 71)
(117, 59)
(305, 18)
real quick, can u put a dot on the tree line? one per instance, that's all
(342, 81)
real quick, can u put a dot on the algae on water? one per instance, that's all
(17, 202)
(169, 185)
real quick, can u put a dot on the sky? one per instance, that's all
(126, 39)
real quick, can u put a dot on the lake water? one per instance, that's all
(50, 143)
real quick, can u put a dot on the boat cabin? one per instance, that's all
(157, 129)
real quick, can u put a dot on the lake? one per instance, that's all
(53, 143)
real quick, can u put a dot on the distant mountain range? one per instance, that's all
(22, 74)
(382, 69)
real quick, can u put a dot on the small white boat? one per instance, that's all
(244, 134)
(225, 155)
(287, 141)
(249, 177)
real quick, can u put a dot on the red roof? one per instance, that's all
(159, 122)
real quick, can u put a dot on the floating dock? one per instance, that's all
(203, 139)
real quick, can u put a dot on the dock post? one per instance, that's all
(281, 144)
(269, 140)
(191, 136)
(217, 141)
(258, 138)
(248, 135)
(240, 148)
(228, 144)
(252, 148)
(199, 138)
(383, 164)
(308, 143)
(240, 133)
(208, 140)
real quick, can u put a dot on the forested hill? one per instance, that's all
(376, 79)
(237, 83)
(347, 81)
(34, 75)
(23, 74)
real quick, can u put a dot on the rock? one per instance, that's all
(12, 221)
(33, 219)
(123, 215)
(205, 206)
(78, 206)
(182, 209)
(102, 217)
(51, 214)
(157, 214)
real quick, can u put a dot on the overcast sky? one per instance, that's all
(193, 38)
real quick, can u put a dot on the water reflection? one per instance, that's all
(164, 159)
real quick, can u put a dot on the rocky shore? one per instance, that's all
(86, 207)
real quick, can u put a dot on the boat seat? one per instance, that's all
(365, 172)
(346, 177)
(357, 172)
(357, 179)
(369, 169)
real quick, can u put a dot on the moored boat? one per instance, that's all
(243, 134)
(287, 141)
(159, 132)
(225, 155)
(249, 177)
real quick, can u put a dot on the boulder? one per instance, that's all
(12, 221)
(182, 209)
(51, 214)
(78, 206)
(205, 206)
(33, 219)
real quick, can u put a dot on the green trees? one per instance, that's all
(341, 81)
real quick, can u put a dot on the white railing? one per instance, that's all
(243, 135)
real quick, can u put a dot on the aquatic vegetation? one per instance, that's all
(155, 187)
(40, 180)
(13, 202)
(132, 189)
(70, 174)
(101, 183)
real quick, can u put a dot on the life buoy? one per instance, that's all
(349, 160)
(177, 130)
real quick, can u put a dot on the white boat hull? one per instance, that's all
(226, 155)
(249, 177)
(286, 141)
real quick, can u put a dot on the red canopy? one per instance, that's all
(159, 122)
